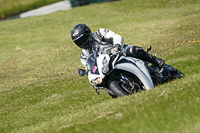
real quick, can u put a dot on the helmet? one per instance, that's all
(82, 36)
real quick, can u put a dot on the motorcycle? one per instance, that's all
(121, 75)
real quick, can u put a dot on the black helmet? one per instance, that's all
(82, 36)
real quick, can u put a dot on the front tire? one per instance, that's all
(125, 83)
(116, 89)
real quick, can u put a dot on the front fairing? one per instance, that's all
(94, 66)
(91, 64)
(136, 67)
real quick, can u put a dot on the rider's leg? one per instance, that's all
(138, 52)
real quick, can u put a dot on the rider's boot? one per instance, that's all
(157, 61)
(139, 53)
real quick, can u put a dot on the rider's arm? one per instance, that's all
(109, 36)
(84, 56)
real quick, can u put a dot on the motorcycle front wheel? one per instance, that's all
(117, 90)
(121, 89)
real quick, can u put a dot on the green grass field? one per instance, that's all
(40, 90)
(9, 8)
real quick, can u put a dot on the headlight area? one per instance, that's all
(97, 81)
(105, 67)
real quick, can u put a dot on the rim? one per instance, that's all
(128, 88)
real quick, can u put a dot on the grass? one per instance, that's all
(9, 8)
(40, 90)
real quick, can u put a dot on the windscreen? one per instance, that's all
(92, 64)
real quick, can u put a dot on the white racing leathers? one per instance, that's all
(105, 39)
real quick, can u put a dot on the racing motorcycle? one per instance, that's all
(120, 75)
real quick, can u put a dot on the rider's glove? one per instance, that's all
(115, 49)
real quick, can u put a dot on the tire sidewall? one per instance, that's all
(117, 90)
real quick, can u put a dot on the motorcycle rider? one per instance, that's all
(109, 42)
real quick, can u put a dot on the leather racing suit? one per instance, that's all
(107, 40)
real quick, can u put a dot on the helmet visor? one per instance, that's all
(83, 41)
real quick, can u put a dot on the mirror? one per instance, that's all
(81, 72)
(149, 48)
